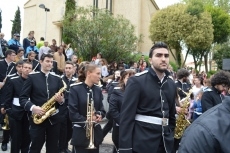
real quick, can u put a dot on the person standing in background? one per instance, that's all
(43, 49)
(27, 40)
(40, 43)
(60, 58)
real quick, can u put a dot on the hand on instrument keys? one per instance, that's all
(59, 98)
(38, 110)
(97, 118)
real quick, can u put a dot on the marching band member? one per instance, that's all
(35, 63)
(19, 123)
(147, 118)
(7, 68)
(66, 124)
(115, 103)
(82, 95)
(38, 89)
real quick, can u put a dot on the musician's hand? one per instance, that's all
(1, 84)
(98, 118)
(3, 111)
(59, 98)
(38, 110)
(179, 110)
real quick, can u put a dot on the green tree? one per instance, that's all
(16, 28)
(221, 53)
(113, 36)
(220, 20)
(221, 23)
(176, 26)
(222, 4)
(70, 6)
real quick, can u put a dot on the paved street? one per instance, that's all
(106, 147)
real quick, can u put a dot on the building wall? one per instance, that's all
(139, 12)
(35, 19)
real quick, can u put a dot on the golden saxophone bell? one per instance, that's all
(181, 122)
(6, 121)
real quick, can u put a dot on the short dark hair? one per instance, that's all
(31, 52)
(69, 62)
(157, 45)
(42, 39)
(221, 77)
(20, 62)
(28, 63)
(20, 49)
(182, 73)
(46, 55)
(9, 52)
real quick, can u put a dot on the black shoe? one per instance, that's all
(4, 146)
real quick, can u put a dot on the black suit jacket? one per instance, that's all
(14, 87)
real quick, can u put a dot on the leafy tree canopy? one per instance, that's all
(221, 53)
(93, 30)
(176, 26)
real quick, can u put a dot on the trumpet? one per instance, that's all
(90, 123)
(6, 121)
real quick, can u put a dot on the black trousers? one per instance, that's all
(19, 131)
(108, 126)
(115, 138)
(66, 131)
(6, 136)
(69, 131)
(44, 132)
(176, 145)
(84, 150)
(63, 135)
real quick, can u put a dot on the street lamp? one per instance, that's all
(46, 10)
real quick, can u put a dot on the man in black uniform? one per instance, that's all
(38, 89)
(54, 67)
(212, 96)
(111, 85)
(182, 82)
(7, 67)
(18, 118)
(66, 124)
(183, 86)
(147, 118)
(35, 63)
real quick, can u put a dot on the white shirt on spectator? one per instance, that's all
(43, 50)
(69, 53)
(104, 71)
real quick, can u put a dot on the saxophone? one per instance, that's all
(6, 121)
(181, 122)
(48, 107)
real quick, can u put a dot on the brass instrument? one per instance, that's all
(90, 123)
(181, 122)
(6, 121)
(48, 107)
